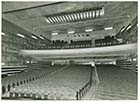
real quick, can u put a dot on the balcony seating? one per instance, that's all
(107, 41)
(78, 44)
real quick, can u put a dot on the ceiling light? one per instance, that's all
(75, 16)
(88, 30)
(20, 35)
(93, 14)
(122, 29)
(2, 33)
(47, 20)
(134, 59)
(55, 33)
(58, 19)
(128, 27)
(72, 17)
(53, 19)
(61, 18)
(34, 37)
(78, 16)
(84, 15)
(71, 32)
(87, 14)
(81, 15)
(97, 13)
(69, 17)
(41, 37)
(102, 11)
(90, 14)
(108, 28)
(50, 20)
(66, 17)
(2, 63)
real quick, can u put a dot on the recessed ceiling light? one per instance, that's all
(71, 32)
(47, 20)
(20, 35)
(128, 27)
(2, 33)
(53, 19)
(61, 18)
(88, 30)
(108, 28)
(81, 15)
(102, 11)
(78, 16)
(67, 17)
(55, 33)
(50, 20)
(72, 17)
(122, 29)
(41, 37)
(34, 37)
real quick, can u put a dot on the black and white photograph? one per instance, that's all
(69, 50)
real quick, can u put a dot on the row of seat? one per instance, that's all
(64, 84)
(25, 77)
(107, 41)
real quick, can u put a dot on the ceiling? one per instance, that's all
(32, 14)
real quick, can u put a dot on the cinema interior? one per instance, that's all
(69, 50)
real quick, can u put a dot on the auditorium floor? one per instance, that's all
(116, 84)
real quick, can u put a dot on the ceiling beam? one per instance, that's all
(17, 10)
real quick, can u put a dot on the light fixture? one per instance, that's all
(88, 30)
(75, 16)
(41, 37)
(53, 19)
(72, 17)
(61, 18)
(122, 29)
(84, 14)
(54, 33)
(56, 19)
(93, 14)
(78, 16)
(20, 35)
(47, 20)
(81, 15)
(134, 59)
(90, 14)
(66, 17)
(2, 63)
(34, 37)
(87, 13)
(102, 11)
(128, 27)
(108, 28)
(2, 33)
(71, 32)
(50, 20)
(97, 13)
